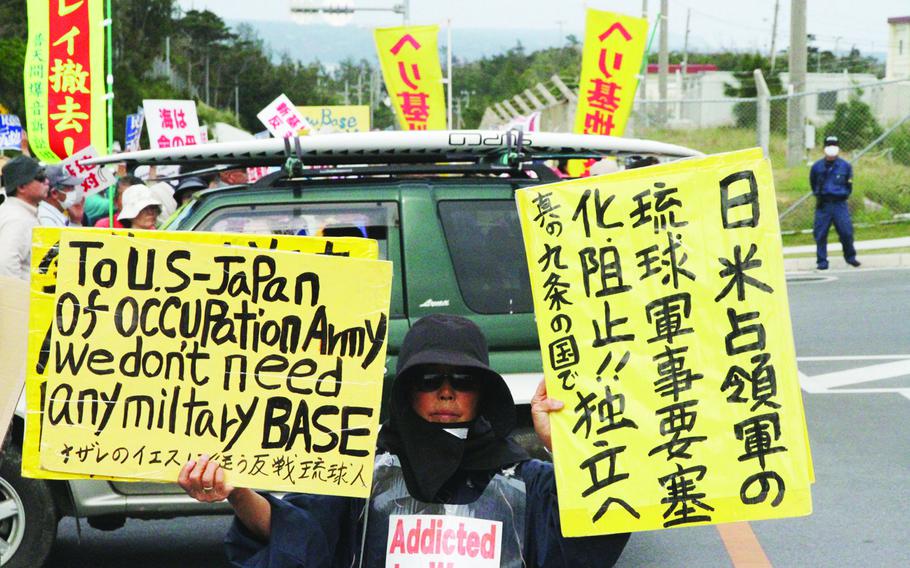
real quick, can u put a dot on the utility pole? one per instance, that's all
(237, 102)
(685, 60)
(663, 60)
(360, 87)
(644, 76)
(207, 78)
(774, 36)
(796, 145)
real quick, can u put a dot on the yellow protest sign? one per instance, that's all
(13, 321)
(664, 326)
(45, 256)
(270, 361)
(613, 50)
(336, 118)
(409, 57)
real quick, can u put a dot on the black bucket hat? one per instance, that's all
(444, 339)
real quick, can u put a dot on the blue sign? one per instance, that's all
(134, 124)
(10, 132)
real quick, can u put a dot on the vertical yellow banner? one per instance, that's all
(409, 57)
(664, 326)
(613, 50)
(64, 78)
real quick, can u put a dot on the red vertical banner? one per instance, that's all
(64, 77)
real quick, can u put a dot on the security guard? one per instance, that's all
(831, 180)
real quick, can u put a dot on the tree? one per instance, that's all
(854, 124)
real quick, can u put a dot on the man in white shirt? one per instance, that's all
(26, 186)
(65, 192)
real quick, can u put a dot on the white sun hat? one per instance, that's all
(135, 199)
(165, 193)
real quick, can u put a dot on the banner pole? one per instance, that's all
(449, 69)
(110, 78)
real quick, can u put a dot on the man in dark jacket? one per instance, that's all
(443, 451)
(831, 180)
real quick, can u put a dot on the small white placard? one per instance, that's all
(282, 118)
(94, 178)
(429, 541)
(171, 123)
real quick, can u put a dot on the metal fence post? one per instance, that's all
(763, 112)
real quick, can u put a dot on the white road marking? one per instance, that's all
(854, 357)
(834, 381)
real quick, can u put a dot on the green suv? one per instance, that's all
(442, 208)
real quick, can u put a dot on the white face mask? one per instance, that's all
(831, 151)
(73, 197)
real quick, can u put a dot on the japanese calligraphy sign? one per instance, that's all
(41, 364)
(282, 118)
(413, 77)
(10, 132)
(613, 50)
(663, 321)
(171, 123)
(95, 178)
(64, 77)
(336, 118)
(134, 123)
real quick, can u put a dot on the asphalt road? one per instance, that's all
(852, 333)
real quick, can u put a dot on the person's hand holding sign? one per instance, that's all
(203, 480)
(541, 407)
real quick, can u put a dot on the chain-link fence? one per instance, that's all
(871, 121)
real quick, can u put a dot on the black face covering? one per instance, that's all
(430, 456)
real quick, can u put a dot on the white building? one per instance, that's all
(898, 63)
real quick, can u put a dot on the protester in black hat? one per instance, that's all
(187, 187)
(443, 451)
(65, 193)
(25, 182)
(637, 161)
(831, 180)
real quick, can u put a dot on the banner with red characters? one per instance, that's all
(64, 77)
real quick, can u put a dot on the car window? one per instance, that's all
(484, 240)
(373, 220)
(370, 220)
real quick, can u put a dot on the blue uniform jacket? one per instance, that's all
(834, 182)
(324, 531)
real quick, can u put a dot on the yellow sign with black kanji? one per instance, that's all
(664, 326)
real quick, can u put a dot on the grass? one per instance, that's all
(860, 233)
(897, 250)
(881, 188)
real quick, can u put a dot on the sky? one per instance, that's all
(714, 24)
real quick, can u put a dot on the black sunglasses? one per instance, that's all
(430, 382)
(41, 178)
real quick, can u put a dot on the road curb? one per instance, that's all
(869, 261)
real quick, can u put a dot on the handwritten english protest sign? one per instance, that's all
(664, 326)
(336, 118)
(45, 259)
(272, 362)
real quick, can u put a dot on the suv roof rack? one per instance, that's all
(524, 170)
(426, 147)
